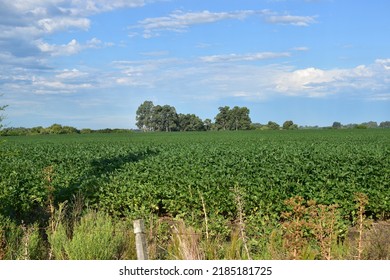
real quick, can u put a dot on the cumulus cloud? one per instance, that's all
(370, 80)
(256, 82)
(64, 82)
(24, 23)
(72, 7)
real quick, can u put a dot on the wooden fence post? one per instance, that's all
(140, 239)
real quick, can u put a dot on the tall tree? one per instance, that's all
(236, 118)
(207, 124)
(239, 118)
(164, 118)
(336, 125)
(370, 124)
(144, 116)
(222, 118)
(190, 122)
(273, 125)
(385, 124)
(289, 125)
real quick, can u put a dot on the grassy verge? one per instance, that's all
(306, 230)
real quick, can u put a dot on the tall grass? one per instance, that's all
(97, 236)
(307, 230)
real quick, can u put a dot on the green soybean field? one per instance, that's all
(197, 176)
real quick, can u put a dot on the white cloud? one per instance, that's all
(289, 19)
(206, 79)
(73, 7)
(300, 49)
(99, 6)
(244, 57)
(303, 80)
(369, 80)
(179, 21)
(25, 23)
(67, 74)
(58, 85)
(385, 63)
(73, 47)
(50, 25)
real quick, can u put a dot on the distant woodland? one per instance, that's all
(150, 117)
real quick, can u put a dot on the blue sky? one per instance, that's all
(92, 63)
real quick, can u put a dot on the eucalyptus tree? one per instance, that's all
(144, 116)
(164, 118)
(236, 118)
(190, 122)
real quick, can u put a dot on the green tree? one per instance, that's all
(385, 124)
(207, 124)
(37, 130)
(190, 122)
(239, 118)
(289, 125)
(144, 116)
(55, 129)
(236, 118)
(273, 125)
(69, 130)
(164, 118)
(222, 118)
(336, 125)
(370, 124)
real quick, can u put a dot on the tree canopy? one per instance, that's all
(236, 118)
(152, 117)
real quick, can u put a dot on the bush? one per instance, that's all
(95, 237)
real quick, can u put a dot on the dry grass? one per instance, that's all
(186, 242)
(378, 241)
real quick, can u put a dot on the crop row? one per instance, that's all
(181, 173)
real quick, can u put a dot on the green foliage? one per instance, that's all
(55, 129)
(190, 122)
(95, 237)
(336, 125)
(273, 125)
(143, 175)
(20, 241)
(144, 116)
(32, 243)
(289, 125)
(160, 174)
(165, 118)
(10, 239)
(236, 118)
(385, 124)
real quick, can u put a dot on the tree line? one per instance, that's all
(152, 117)
(56, 129)
(370, 124)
